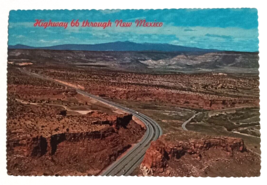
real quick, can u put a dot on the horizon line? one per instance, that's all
(47, 47)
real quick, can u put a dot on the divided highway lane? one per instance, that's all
(126, 164)
(129, 161)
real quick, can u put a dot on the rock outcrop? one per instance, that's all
(199, 157)
(48, 142)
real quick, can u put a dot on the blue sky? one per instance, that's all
(223, 29)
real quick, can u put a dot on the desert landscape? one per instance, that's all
(206, 104)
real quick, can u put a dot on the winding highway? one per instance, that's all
(134, 156)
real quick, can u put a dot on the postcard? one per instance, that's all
(149, 92)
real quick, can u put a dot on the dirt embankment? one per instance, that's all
(217, 156)
(69, 84)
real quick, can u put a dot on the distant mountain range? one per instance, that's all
(118, 46)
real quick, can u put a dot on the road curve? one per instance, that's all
(129, 161)
(187, 121)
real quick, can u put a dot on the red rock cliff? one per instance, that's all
(197, 157)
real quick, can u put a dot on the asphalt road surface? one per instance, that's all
(130, 160)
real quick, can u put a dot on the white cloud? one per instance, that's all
(21, 24)
(109, 11)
